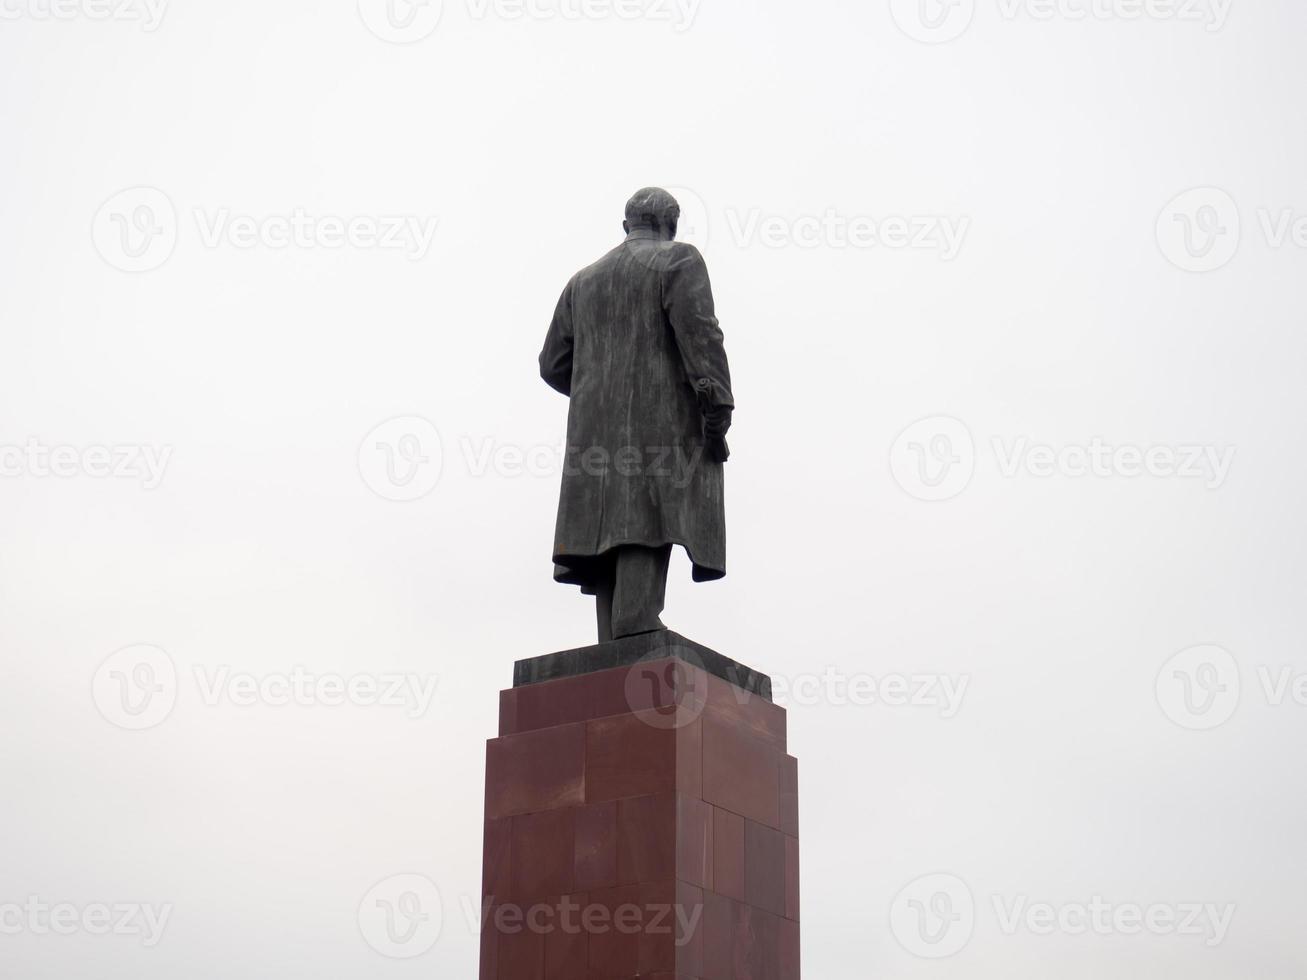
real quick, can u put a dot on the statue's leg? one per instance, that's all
(602, 583)
(640, 589)
(604, 611)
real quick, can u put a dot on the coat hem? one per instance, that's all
(573, 568)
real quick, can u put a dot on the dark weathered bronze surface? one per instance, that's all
(633, 649)
(636, 345)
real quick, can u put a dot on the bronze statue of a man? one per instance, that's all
(636, 346)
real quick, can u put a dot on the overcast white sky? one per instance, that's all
(1012, 295)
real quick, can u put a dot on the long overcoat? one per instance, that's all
(636, 345)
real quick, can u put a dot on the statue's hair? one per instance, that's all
(652, 206)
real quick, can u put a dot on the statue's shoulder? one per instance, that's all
(588, 272)
(676, 255)
(684, 257)
(600, 264)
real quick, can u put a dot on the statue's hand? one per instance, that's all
(718, 451)
(717, 422)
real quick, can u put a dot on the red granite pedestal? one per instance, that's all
(641, 821)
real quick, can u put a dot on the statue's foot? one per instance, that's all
(638, 629)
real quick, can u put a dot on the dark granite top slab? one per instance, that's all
(633, 649)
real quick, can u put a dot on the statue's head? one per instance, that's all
(653, 209)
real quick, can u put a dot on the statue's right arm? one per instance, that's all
(689, 305)
(556, 357)
(690, 310)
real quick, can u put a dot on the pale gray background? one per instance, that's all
(1061, 319)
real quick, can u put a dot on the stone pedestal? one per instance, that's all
(641, 820)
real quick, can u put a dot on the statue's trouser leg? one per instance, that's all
(604, 610)
(602, 583)
(639, 590)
